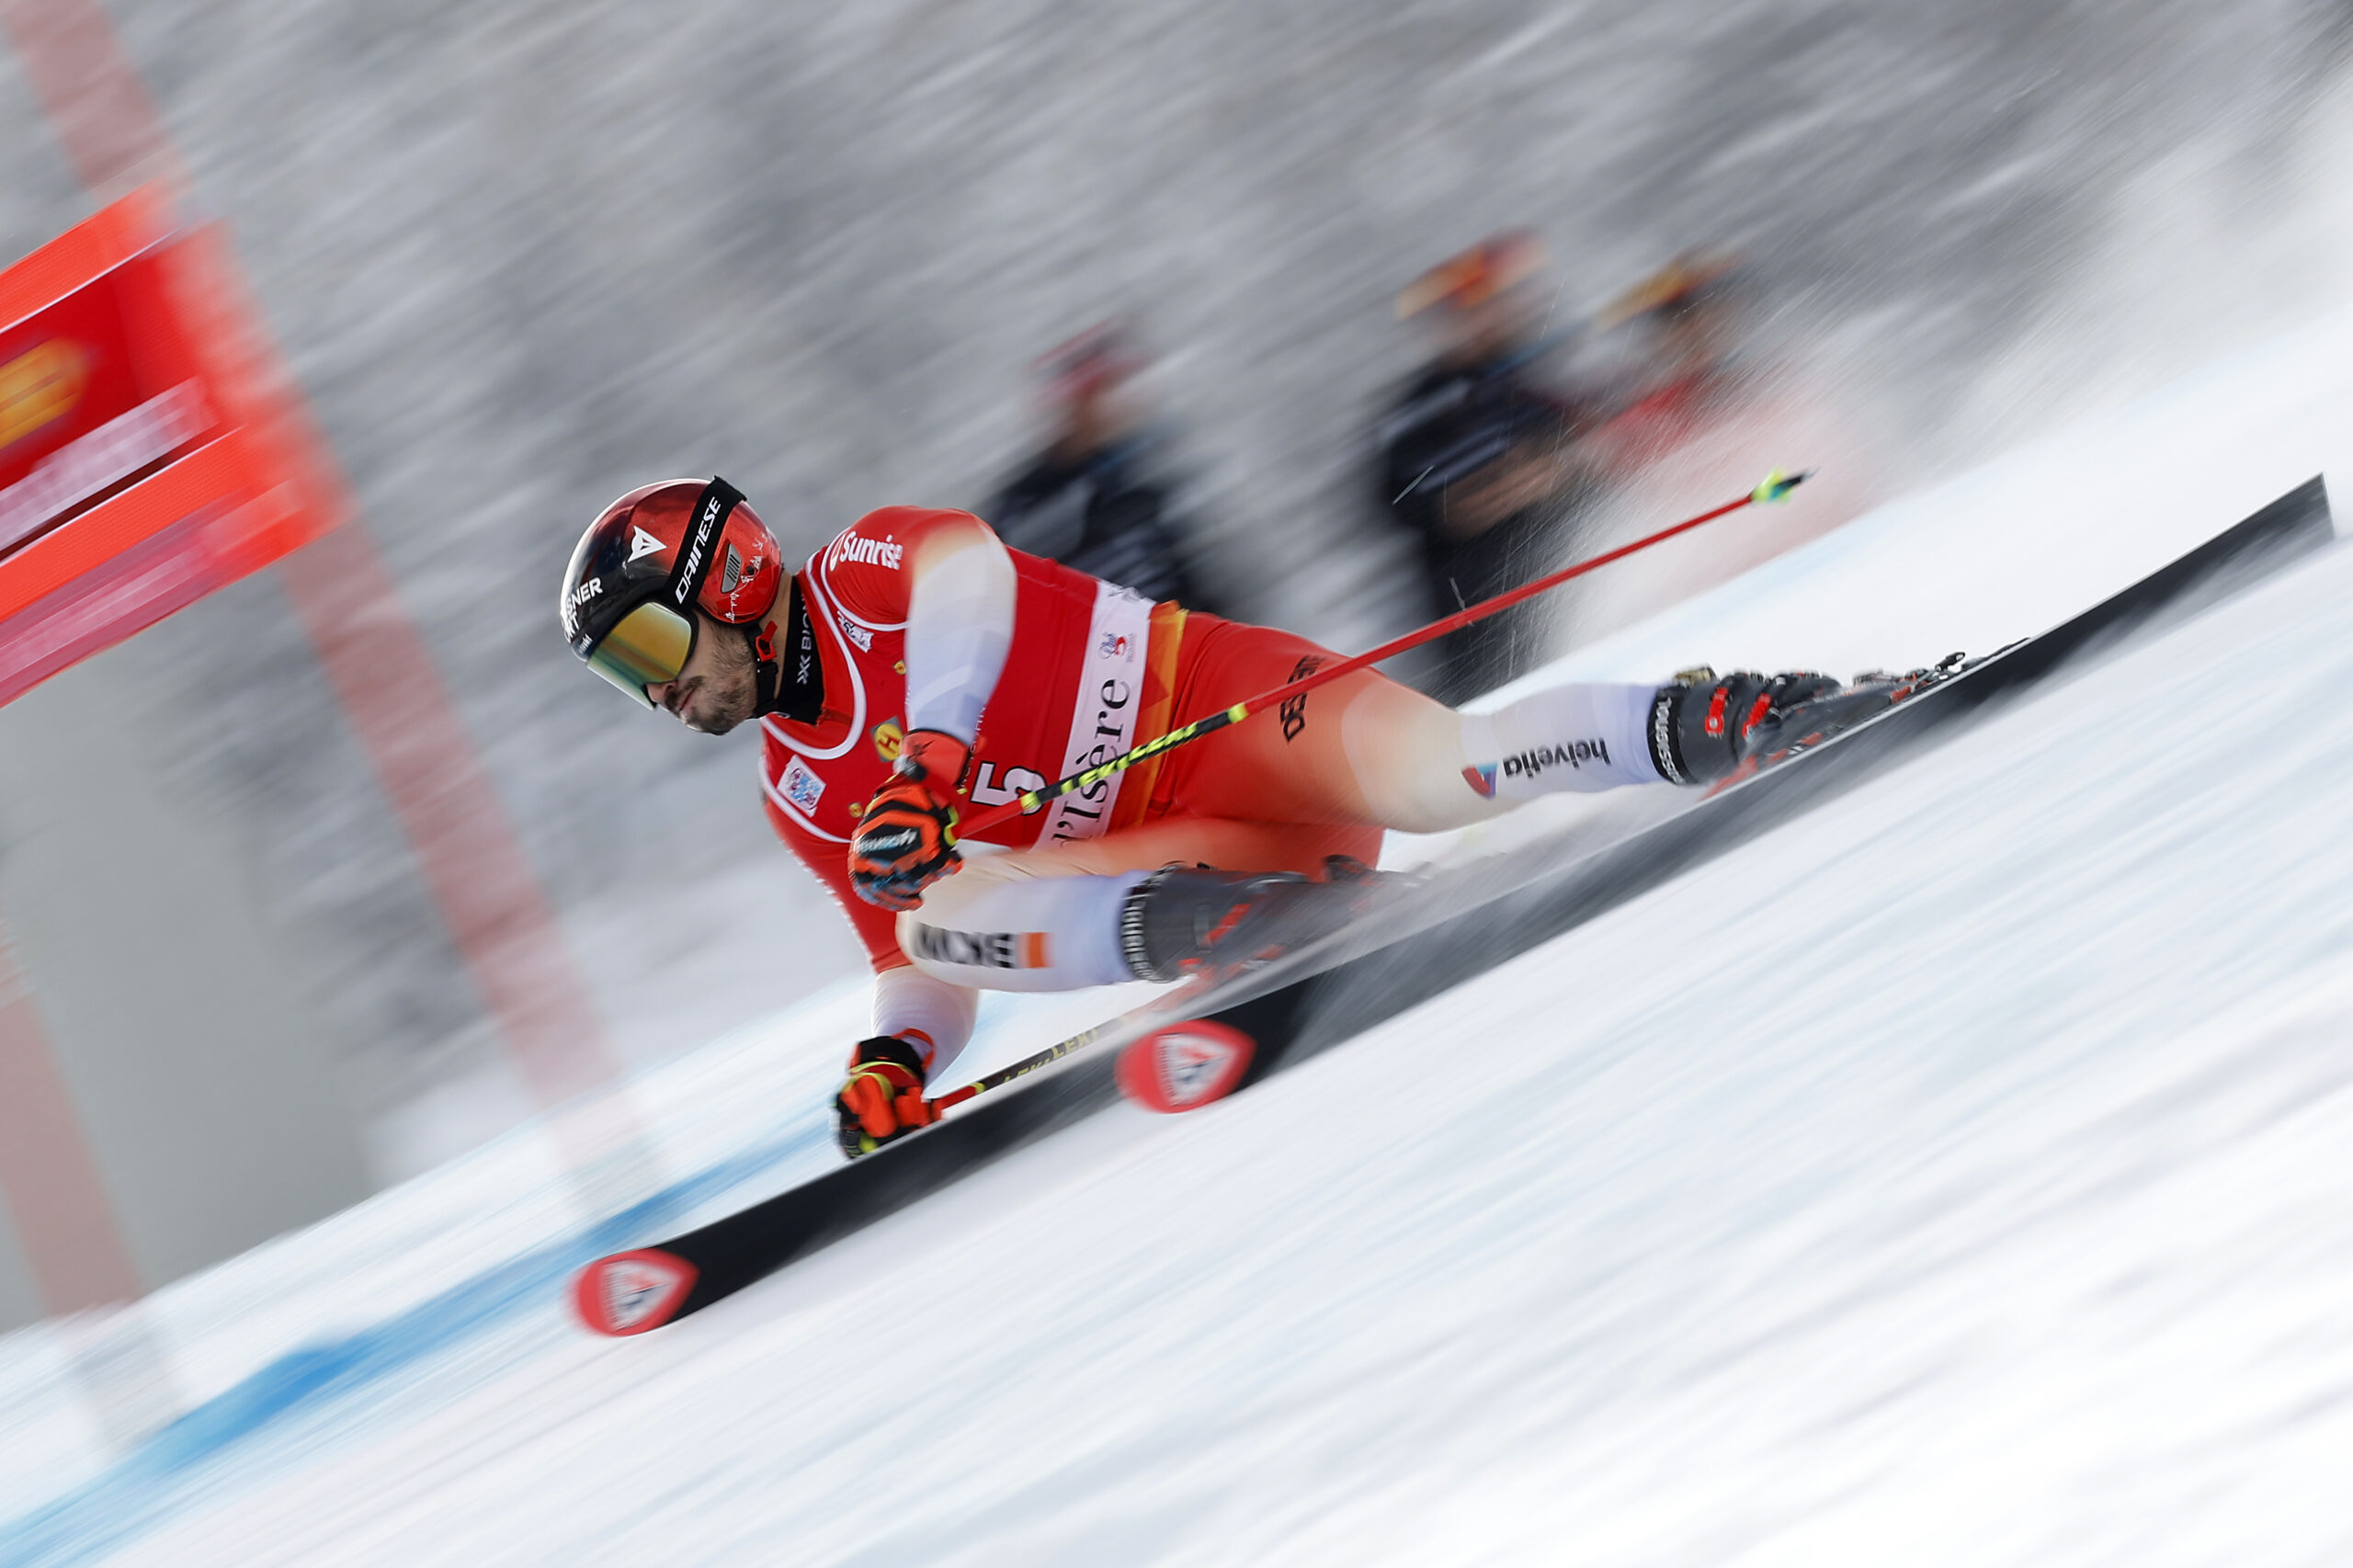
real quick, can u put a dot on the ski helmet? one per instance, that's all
(1096, 360)
(1495, 265)
(652, 558)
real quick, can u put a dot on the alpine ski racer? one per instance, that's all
(916, 667)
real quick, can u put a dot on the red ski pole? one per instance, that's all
(1776, 487)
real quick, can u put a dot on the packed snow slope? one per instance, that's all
(1956, 1176)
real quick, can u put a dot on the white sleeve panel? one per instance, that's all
(1582, 736)
(1012, 931)
(913, 1005)
(960, 625)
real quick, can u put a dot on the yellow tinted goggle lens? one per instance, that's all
(650, 645)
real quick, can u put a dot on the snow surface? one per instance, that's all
(1956, 1176)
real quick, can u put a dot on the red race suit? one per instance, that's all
(1089, 673)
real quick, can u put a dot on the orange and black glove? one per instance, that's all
(883, 1096)
(906, 839)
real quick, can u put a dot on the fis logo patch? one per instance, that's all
(982, 950)
(1481, 779)
(802, 786)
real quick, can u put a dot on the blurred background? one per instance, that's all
(1174, 284)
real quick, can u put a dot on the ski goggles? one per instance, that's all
(645, 647)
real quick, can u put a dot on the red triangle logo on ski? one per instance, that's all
(1184, 1066)
(632, 1291)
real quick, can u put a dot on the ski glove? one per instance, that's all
(883, 1096)
(906, 839)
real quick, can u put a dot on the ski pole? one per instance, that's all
(1776, 486)
(1027, 1065)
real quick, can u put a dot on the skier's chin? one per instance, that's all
(709, 724)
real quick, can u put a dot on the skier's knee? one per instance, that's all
(1020, 934)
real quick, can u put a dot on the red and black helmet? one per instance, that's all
(648, 561)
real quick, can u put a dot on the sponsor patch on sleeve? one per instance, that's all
(982, 950)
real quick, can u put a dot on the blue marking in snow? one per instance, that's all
(167, 1470)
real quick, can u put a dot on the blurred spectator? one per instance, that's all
(1086, 499)
(1676, 336)
(1477, 456)
(1684, 313)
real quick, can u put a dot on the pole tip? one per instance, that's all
(1777, 485)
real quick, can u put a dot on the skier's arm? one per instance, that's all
(959, 623)
(946, 577)
(920, 1023)
(933, 1015)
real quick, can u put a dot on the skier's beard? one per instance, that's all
(728, 692)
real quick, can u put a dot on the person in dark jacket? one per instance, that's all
(1086, 500)
(1478, 457)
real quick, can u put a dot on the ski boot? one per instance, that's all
(1707, 729)
(1184, 920)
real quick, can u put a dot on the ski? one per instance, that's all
(1448, 929)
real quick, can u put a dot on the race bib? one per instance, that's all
(1103, 715)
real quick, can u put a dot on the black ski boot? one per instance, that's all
(1701, 723)
(1705, 728)
(1184, 919)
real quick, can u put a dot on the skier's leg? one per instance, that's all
(1366, 749)
(1016, 932)
(1052, 919)
(1582, 736)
